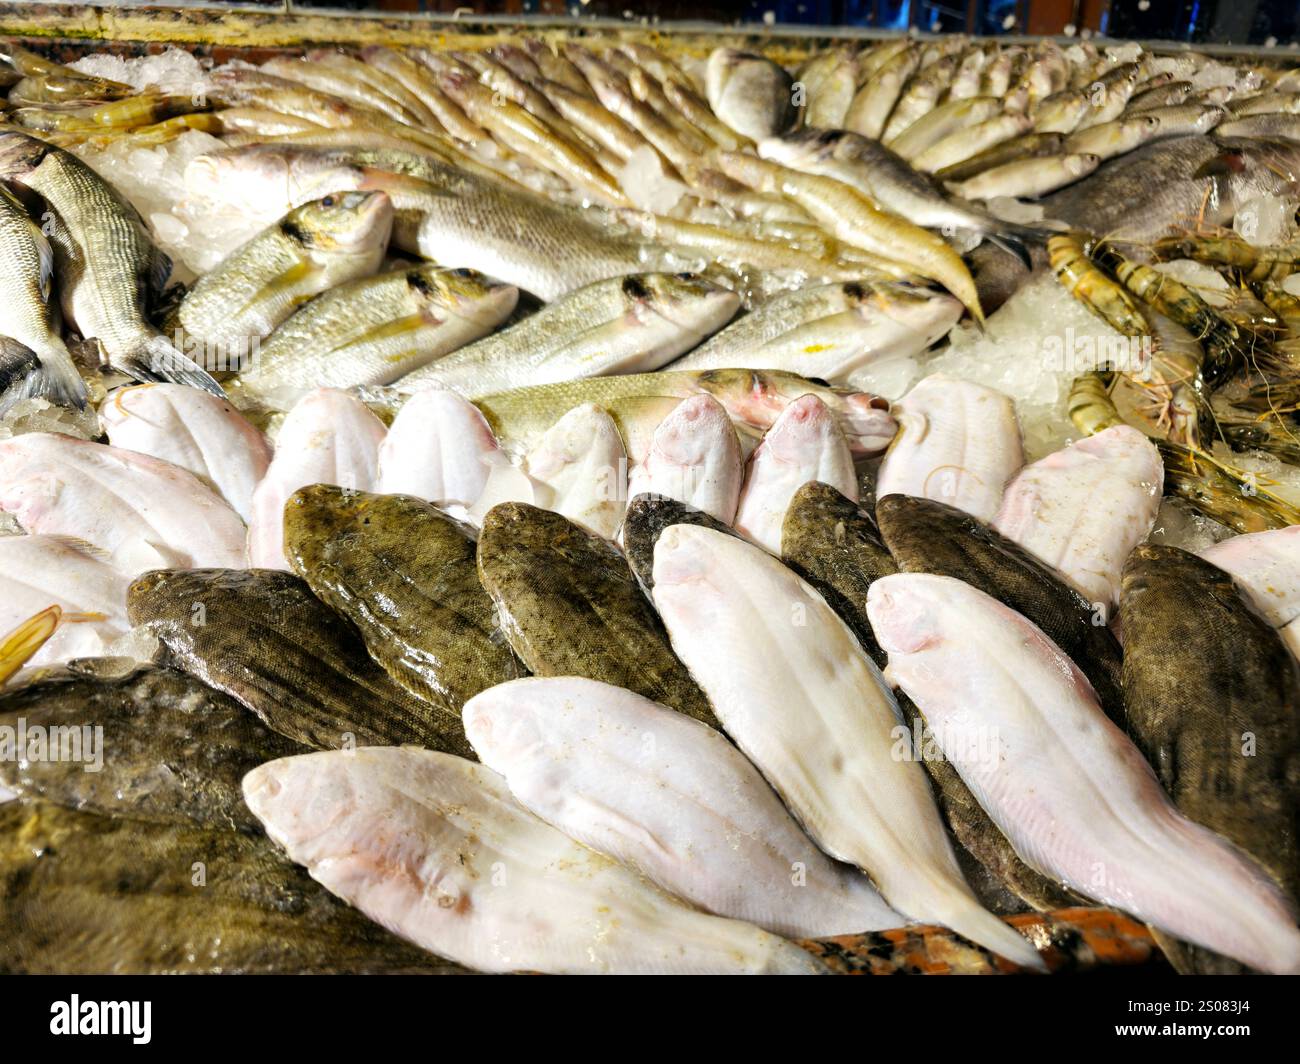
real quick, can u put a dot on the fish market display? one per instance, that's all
(844, 489)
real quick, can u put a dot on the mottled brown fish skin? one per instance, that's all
(268, 642)
(173, 750)
(570, 606)
(834, 545)
(406, 575)
(1203, 676)
(646, 518)
(87, 894)
(926, 536)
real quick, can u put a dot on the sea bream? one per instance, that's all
(794, 689)
(1084, 508)
(434, 848)
(1075, 797)
(670, 797)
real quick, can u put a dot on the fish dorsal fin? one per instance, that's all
(81, 546)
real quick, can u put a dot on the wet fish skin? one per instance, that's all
(1189, 631)
(646, 519)
(974, 666)
(579, 470)
(269, 643)
(27, 262)
(958, 442)
(1266, 566)
(404, 574)
(37, 571)
(740, 619)
(691, 813)
(925, 536)
(88, 894)
(328, 437)
(562, 908)
(804, 444)
(438, 448)
(173, 751)
(1084, 508)
(629, 324)
(570, 606)
(1032, 177)
(140, 511)
(830, 331)
(323, 243)
(375, 329)
(108, 265)
(194, 430)
(639, 402)
(695, 458)
(17, 364)
(835, 546)
(751, 94)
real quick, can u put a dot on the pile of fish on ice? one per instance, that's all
(566, 510)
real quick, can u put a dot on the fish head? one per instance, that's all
(349, 222)
(297, 799)
(691, 432)
(270, 177)
(804, 150)
(503, 723)
(923, 311)
(21, 154)
(465, 293)
(1080, 164)
(319, 512)
(685, 299)
(903, 609)
(682, 557)
(804, 428)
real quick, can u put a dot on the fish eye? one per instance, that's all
(328, 201)
(685, 276)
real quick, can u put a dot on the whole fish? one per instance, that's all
(323, 243)
(1025, 146)
(1286, 126)
(90, 894)
(829, 79)
(878, 92)
(140, 511)
(744, 624)
(38, 571)
(1266, 566)
(830, 331)
(694, 457)
(449, 823)
(647, 517)
(751, 94)
(942, 122)
(855, 219)
(925, 536)
(577, 469)
(438, 448)
(689, 812)
(1066, 786)
(1084, 508)
(444, 214)
(639, 402)
(329, 437)
(194, 430)
(170, 750)
(375, 329)
(260, 636)
(803, 445)
(108, 266)
(27, 275)
(570, 606)
(1182, 618)
(837, 548)
(630, 324)
(1032, 177)
(1113, 138)
(1168, 182)
(404, 574)
(967, 143)
(958, 442)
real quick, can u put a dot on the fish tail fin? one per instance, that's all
(1012, 245)
(51, 376)
(159, 361)
(17, 646)
(967, 917)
